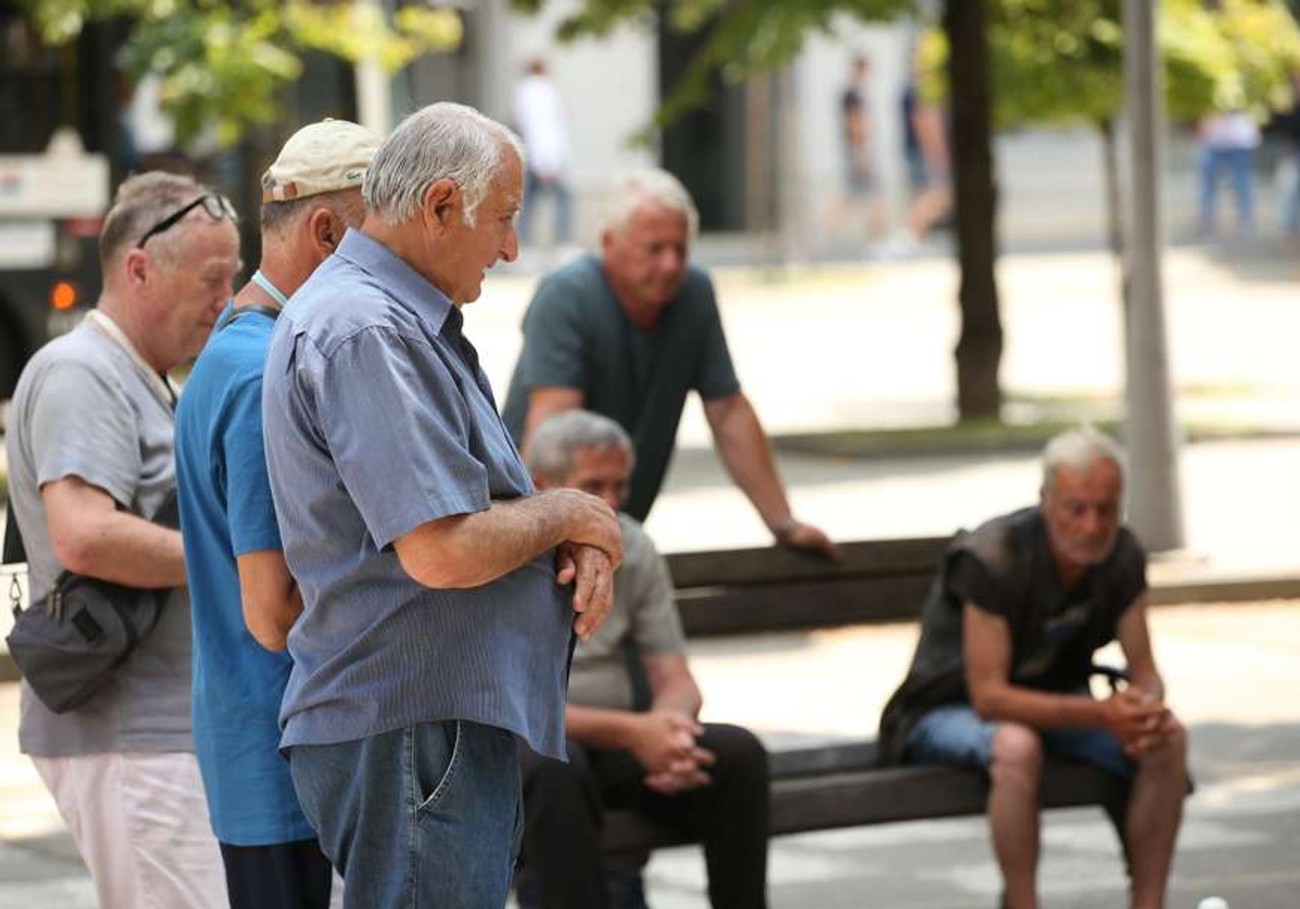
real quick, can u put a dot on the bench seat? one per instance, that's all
(839, 786)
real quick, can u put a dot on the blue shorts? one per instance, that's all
(955, 734)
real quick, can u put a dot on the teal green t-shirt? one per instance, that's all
(576, 335)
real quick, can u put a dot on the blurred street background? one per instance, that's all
(843, 311)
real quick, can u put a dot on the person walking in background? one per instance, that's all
(90, 460)
(628, 334)
(929, 171)
(244, 599)
(1228, 143)
(859, 203)
(437, 614)
(539, 117)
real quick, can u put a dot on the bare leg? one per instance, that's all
(1013, 810)
(1154, 812)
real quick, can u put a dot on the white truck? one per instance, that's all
(51, 210)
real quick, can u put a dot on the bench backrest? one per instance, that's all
(772, 588)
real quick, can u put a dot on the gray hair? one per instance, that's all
(631, 190)
(552, 446)
(441, 141)
(1079, 449)
(279, 217)
(141, 202)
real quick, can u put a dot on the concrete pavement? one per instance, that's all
(871, 346)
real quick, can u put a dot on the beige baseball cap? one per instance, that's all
(323, 157)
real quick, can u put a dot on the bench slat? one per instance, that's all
(772, 564)
(876, 796)
(809, 604)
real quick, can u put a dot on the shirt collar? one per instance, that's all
(402, 282)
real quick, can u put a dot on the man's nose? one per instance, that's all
(510, 248)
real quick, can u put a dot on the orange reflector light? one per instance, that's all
(63, 295)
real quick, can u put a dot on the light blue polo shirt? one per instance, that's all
(378, 419)
(226, 511)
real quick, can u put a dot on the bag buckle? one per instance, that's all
(15, 593)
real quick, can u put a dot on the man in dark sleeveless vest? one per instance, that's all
(1000, 676)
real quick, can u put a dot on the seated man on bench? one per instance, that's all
(662, 761)
(1000, 676)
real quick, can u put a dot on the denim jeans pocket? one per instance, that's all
(433, 744)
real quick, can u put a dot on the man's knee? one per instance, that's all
(1017, 755)
(739, 752)
(1170, 757)
(549, 784)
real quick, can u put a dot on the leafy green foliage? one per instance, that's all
(224, 65)
(1062, 60)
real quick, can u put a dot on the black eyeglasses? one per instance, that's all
(216, 206)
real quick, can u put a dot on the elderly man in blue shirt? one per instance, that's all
(439, 588)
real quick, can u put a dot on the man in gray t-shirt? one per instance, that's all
(628, 335)
(90, 458)
(659, 760)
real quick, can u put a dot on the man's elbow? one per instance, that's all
(269, 626)
(275, 640)
(985, 703)
(76, 552)
(444, 573)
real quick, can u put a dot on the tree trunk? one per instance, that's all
(979, 349)
(1114, 209)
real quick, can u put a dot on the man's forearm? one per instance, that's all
(600, 727)
(1039, 709)
(747, 455)
(125, 549)
(475, 549)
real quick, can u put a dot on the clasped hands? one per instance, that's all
(664, 743)
(1140, 721)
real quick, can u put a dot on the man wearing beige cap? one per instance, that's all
(244, 599)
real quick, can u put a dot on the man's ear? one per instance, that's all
(135, 265)
(442, 204)
(325, 229)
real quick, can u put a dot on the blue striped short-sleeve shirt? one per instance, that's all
(378, 419)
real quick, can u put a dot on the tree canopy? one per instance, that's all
(1062, 60)
(742, 39)
(224, 66)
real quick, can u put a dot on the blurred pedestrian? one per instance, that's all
(859, 202)
(1228, 142)
(436, 622)
(90, 460)
(539, 117)
(244, 599)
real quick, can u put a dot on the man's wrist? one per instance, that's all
(783, 529)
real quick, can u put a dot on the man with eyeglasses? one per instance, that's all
(90, 461)
(244, 599)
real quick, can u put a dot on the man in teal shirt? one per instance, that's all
(628, 334)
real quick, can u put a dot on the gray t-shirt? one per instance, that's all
(576, 335)
(644, 611)
(85, 408)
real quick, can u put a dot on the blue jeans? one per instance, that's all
(1237, 163)
(558, 190)
(955, 734)
(427, 816)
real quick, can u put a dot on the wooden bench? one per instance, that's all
(761, 590)
(744, 591)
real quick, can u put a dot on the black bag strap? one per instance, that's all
(14, 550)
